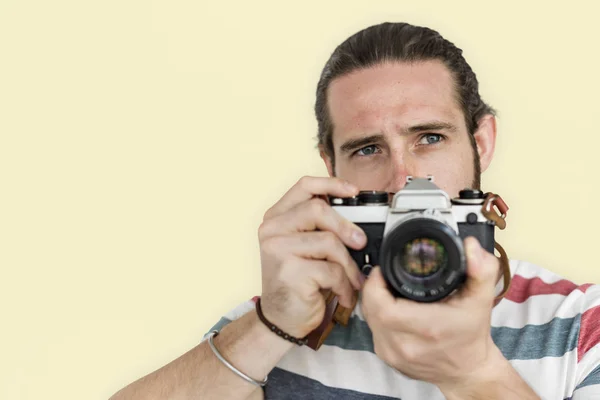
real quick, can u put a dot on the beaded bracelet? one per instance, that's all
(274, 328)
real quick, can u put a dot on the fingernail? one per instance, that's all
(362, 279)
(351, 187)
(474, 249)
(358, 237)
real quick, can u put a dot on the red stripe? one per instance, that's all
(585, 287)
(521, 288)
(255, 299)
(589, 332)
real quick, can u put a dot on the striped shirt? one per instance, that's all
(546, 326)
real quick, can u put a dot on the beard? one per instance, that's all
(476, 183)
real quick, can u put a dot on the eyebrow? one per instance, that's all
(432, 126)
(356, 143)
(353, 144)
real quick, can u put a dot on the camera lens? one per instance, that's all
(422, 257)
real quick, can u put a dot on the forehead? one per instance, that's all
(406, 93)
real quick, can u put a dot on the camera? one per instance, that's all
(416, 236)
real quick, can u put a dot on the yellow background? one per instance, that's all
(142, 141)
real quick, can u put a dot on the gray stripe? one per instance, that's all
(593, 378)
(285, 385)
(532, 342)
(219, 325)
(356, 336)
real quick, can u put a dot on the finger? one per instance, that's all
(320, 246)
(482, 271)
(329, 275)
(312, 215)
(308, 187)
(399, 313)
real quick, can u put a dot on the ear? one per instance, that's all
(327, 160)
(485, 138)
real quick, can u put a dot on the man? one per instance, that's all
(394, 100)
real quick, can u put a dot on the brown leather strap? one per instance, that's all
(318, 335)
(334, 313)
(505, 267)
(491, 200)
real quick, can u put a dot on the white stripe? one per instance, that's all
(592, 293)
(356, 370)
(364, 371)
(538, 310)
(591, 392)
(588, 363)
(528, 270)
(549, 377)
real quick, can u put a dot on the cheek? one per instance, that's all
(454, 173)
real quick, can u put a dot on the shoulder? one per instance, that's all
(541, 296)
(530, 280)
(233, 314)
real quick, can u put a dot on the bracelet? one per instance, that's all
(279, 332)
(228, 365)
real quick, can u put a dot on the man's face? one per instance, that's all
(399, 119)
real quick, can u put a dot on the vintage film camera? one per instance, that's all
(417, 237)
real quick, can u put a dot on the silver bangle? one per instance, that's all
(228, 365)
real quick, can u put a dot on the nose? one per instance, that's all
(400, 168)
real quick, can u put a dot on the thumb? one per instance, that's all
(376, 280)
(375, 291)
(482, 270)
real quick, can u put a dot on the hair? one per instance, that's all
(399, 42)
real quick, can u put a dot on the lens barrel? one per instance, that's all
(423, 259)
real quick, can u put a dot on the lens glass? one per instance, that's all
(422, 257)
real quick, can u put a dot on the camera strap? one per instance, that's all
(505, 268)
(487, 209)
(334, 313)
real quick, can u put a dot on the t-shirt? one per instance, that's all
(546, 326)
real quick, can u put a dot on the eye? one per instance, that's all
(366, 151)
(430, 138)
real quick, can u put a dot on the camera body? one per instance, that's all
(416, 236)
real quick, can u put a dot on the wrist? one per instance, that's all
(494, 379)
(480, 382)
(298, 340)
(269, 338)
(253, 349)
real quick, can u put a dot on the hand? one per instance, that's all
(447, 343)
(299, 262)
